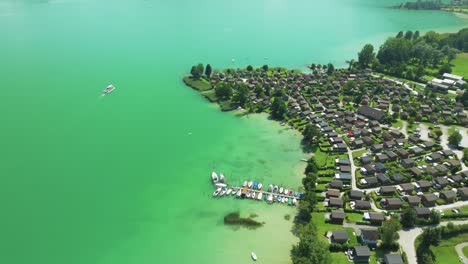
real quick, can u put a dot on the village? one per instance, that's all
(378, 151)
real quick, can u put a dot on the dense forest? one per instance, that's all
(422, 5)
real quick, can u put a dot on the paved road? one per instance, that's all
(459, 249)
(407, 238)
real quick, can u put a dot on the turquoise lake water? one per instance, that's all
(125, 178)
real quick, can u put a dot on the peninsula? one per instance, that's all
(387, 151)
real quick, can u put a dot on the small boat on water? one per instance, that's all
(239, 193)
(259, 197)
(247, 195)
(244, 184)
(281, 190)
(223, 192)
(249, 184)
(291, 192)
(254, 256)
(229, 191)
(280, 198)
(289, 201)
(234, 192)
(270, 188)
(294, 201)
(285, 199)
(255, 185)
(216, 192)
(108, 89)
(222, 185)
(296, 194)
(275, 189)
(265, 196)
(270, 198)
(286, 191)
(253, 195)
(214, 177)
(221, 177)
(259, 186)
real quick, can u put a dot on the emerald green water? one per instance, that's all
(125, 178)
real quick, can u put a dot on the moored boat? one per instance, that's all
(229, 191)
(108, 89)
(270, 198)
(281, 190)
(270, 188)
(247, 195)
(294, 201)
(275, 189)
(214, 177)
(259, 197)
(217, 192)
(289, 201)
(244, 184)
(254, 256)
(239, 193)
(286, 191)
(221, 177)
(259, 186)
(255, 185)
(249, 184)
(296, 194)
(223, 192)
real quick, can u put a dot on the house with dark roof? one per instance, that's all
(449, 196)
(339, 236)
(440, 182)
(393, 259)
(332, 193)
(335, 202)
(370, 181)
(407, 163)
(415, 171)
(463, 193)
(413, 200)
(422, 212)
(391, 155)
(380, 167)
(337, 216)
(355, 195)
(342, 161)
(371, 113)
(336, 184)
(397, 177)
(393, 203)
(423, 185)
(381, 158)
(361, 254)
(402, 153)
(383, 179)
(362, 205)
(406, 187)
(370, 237)
(455, 178)
(377, 147)
(387, 190)
(429, 199)
(366, 160)
(374, 217)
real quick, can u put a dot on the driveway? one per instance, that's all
(459, 249)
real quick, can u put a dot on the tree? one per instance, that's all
(312, 166)
(465, 155)
(278, 108)
(419, 72)
(310, 133)
(223, 91)
(265, 67)
(409, 35)
(388, 231)
(366, 55)
(309, 182)
(241, 95)
(400, 34)
(416, 35)
(208, 70)
(408, 217)
(446, 68)
(455, 138)
(431, 236)
(394, 51)
(303, 214)
(435, 217)
(197, 71)
(249, 68)
(330, 68)
(351, 63)
(313, 66)
(310, 250)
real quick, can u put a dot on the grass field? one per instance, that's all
(358, 153)
(460, 65)
(463, 210)
(465, 251)
(445, 251)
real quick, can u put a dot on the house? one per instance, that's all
(447, 153)
(383, 179)
(337, 216)
(391, 155)
(379, 167)
(355, 195)
(369, 237)
(371, 113)
(441, 169)
(332, 193)
(406, 187)
(366, 160)
(397, 134)
(416, 150)
(393, 203)
(429, 199)
(407, 163)
(377, 147)
(422, 212)
(428, 144)
(452, 163)
(367, 140)
(361, 254)
(463, 193)
(381, 158)
(389, 144)
(441, 182)
(423, 185)
(413, 200)
(415, 171)
(341, 161)
(358, 143)
(335, 202)
(455, 178)
(370, 181)
(449, 196)
(402, 153)
(368, 169)
(362, 205)
(393, 259)
(339, 236)
(343, 176)
(341, 147)
(376, 130)
(397, 177)
(434, 157)
(336, 184)
(345, 168)
(387, 190)
(374, 217)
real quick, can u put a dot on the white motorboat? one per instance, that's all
(249, 184)
(286, 192)
(239, 193)
(285, 200)
(229, 191)
(234, 192)
(294, 201)
(254, 256)
(214, 177)
(281, 190)
(247, 195)
(259, 186)
(223, 192)
(275, 189)
(217, 192)
(222, 185)
(253, 195)
(108, 89)
(259, 196)
(244, 184)
(270, 188)
(270, 198)
(221, 177)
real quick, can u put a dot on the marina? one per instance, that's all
(253, 190)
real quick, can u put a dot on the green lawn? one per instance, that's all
(200, 85)
(357, 154)
(397, 124)
(463, 210)
(461, 65)
(445, 251)
(354, 217)
(465, 251)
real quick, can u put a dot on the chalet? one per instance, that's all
(401, 141)
(343, 176)
(463, 193)
(383, 180)
(429, 199)
(397, 177)
(452, 163)
(370, 181)
(391, 155)
(428, 144)
(366, 160)
(407, 163)
(369, 237)
(414, 140)
(455, 178)
(336, 184)
(342, 162)
(442, 169)
(393, 203)
(440, 182)
(447, 153)
(405, 187)
(415, 171)
(402, 153)
(355, 195)
(423, 185)
(387, 136)
(373, 123)
(381, 158)
(341, 147)
(432, 171)
(413, 200)
(335, 202)
(374, 217)
(379, 167)
(377, 147)
(389, 144)
(332, 193)
(449, 196)
(387, 190)
(393, 259)
(422, 212)
(362, 205)
(434, 157)
(396, 133)
(358, 143)
(367, 140)
(371, 113)
(345, 168)
(337, 216)
(368, 169)
(339, 236)
(376, 130)
(361, 254)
